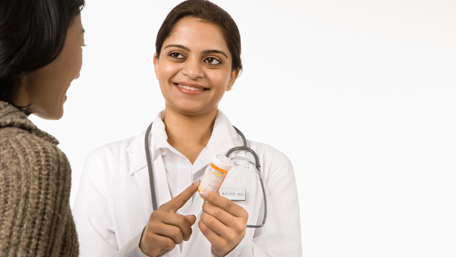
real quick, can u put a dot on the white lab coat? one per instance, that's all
(113, 202)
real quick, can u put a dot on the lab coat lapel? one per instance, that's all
(161, 182)
(140, 172)
(138, 168)
(162, 191)
(142, 179)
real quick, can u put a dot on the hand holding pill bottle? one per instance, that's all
(215, 173)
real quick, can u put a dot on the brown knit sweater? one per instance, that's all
(35, 183)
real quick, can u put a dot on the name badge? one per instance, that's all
(234, 194)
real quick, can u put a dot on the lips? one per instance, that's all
(189, 88)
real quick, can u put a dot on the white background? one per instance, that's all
(360, 94)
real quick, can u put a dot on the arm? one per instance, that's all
(93, 218)
(281, 235)
(35, 215)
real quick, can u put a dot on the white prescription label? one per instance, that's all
(212, 179)
(234, 194)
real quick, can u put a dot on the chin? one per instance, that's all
(196, 111)
(55, 115)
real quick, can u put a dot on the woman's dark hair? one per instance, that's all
(209, 12)
(32, 35)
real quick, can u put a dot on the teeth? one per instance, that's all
(190, 88)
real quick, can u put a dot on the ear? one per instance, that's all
(156, 65)
(233, 76)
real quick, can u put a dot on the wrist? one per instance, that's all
(140, 241)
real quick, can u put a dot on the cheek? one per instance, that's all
(78, 62)
(221, 80)
(73, 57)
(69, 65)
(167, 72)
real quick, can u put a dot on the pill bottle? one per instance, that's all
(215, 173)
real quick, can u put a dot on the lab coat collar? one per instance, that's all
(137, 150)
(223, 138)
(160, 138)
(137, 154)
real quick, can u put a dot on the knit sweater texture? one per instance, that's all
(35, 183)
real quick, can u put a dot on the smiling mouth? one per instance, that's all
(191, 88)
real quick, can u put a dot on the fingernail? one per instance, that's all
(196, 182)
(203, 195)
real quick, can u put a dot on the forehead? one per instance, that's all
(197, 34)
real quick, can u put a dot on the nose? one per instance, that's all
(193, 68)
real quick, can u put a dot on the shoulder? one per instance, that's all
(116, 156)
(27, 160)
(27, 146)
(268, 152)
(273, 163)
(25, 150)
(30, 163)
(117, 148)
(36, 181)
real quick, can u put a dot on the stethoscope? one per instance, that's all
(244, 147)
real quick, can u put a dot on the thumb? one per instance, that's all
(191, 219)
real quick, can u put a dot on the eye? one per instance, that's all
(212, 60)
(176, 55)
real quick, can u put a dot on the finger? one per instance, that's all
(169, 231)
(191, 219)
(177, 202)
(178, 221)
(215, 239)
(217, 226)
(224, 203)
(223, 216)
(154, 244)
(163, 243)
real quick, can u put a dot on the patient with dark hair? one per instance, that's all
(40, 55)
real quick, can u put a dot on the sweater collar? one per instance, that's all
(11, 116)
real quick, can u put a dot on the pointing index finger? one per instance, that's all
(177, 202)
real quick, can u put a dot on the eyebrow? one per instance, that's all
(178, 46)
(204, 52)
(215, 51)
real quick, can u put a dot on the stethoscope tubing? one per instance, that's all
(149, 166)
(244, 147)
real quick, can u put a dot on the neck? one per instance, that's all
(189, 134)
(21, 97)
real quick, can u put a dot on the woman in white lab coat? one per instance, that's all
(197, 60)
